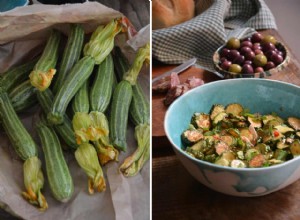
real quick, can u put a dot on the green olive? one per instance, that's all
(260, 60)
(269, 39)
(235, 68)
(233, 43)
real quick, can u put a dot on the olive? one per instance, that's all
(224, 52)
(258, 69)
(268, 46)
(257, 37)
(250, 55)
(260, 60)
(245, 50)
(269, 39)
(225, 65)
(235, 68)
(258, 51)
(246, 44)
(269, 65)
(233, 43)
(239, 59)
(247, 68)
(276, 58)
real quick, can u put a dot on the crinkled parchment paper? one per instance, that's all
(23, 32)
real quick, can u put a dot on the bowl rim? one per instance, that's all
(178, 149)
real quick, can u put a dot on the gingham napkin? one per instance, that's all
(216, 21)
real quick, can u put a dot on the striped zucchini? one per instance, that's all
(139, 107)
(23, 96)
(65, 129)
(80, 101)
(119, 114)
(16, 75)
(75, 79)
(59, 177)
(101, 90)
(44, 70)
(70, 56)
(17, 133)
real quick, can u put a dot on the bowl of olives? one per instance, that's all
(257, 56)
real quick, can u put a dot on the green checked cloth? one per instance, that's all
(215, 23)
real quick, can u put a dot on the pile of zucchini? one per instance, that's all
(85, 110)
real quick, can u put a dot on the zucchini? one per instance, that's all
(75, 79)
(139, 107)
(16, 75)
(294, 123)
(119, 114)
(216, 110)
(80, 101)
(44, 69)
(26, 149)
(23, 96)
(234, 109)
(59, 177)
(201, 120)
(65, 129)
(70, 56)
(17, 133)
(102, 88)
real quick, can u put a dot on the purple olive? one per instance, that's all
(247, 39)
(245, 50)
(257, 37)
(246, 44)
(256, 46)
(269, 53)
(224, 52)
(250, 55)
(225, 65)
(268, 46)
(258, 69)
(277, 59)
(247, 68)
(239, 59)
(269, 65)
(233, 54)
(248, 62)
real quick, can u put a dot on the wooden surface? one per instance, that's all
(289, 74)
(177, 195)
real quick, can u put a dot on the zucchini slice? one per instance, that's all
(201, 120)
(191, 136)
(295, 148)
(216, 110)
(294, 123)
(234, 109)
(218, 118)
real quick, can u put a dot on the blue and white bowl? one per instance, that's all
(258, 95)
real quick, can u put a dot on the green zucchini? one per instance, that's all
(17, 133)
(80, 101)
(65, 129)
(70, 56)
(102, 88)
(139, 107)
(44, 70)
(16, 75)
(23, 96)
(59, 177)
(80, 72)
(119, 114)
(26, 149)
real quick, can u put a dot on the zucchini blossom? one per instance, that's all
(86, 157)
(102, 40)
(132, 165)
(34, 181)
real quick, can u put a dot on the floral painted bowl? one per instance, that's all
(259, 95)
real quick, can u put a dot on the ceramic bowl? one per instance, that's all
(6, 5)
(258, 95)
(267, 73)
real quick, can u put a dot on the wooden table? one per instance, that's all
(177, 195)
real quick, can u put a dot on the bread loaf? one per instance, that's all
(167, 13)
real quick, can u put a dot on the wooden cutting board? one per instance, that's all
(158, 107)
